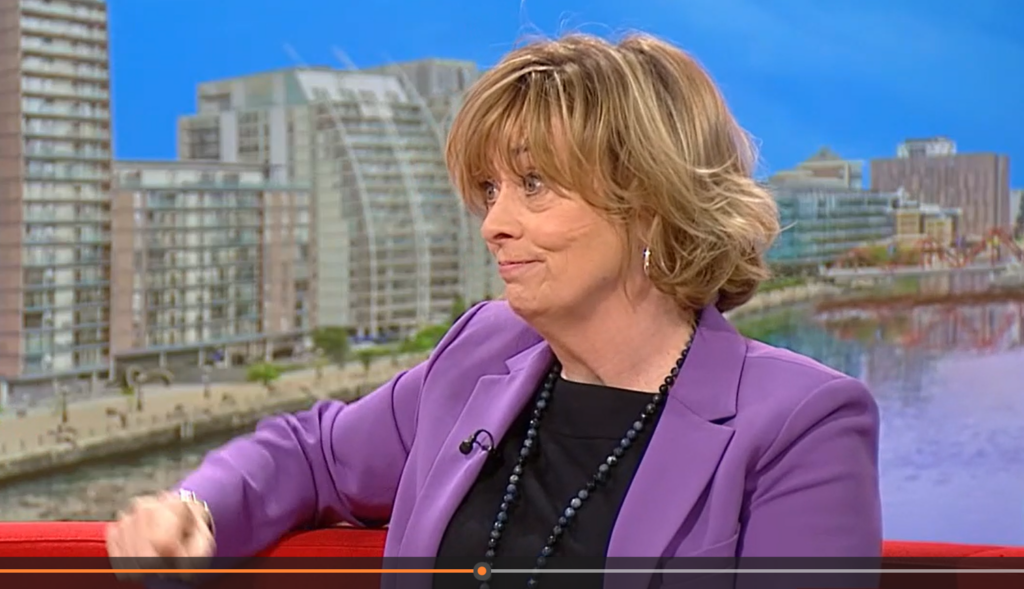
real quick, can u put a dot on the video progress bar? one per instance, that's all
(483, 572)
(753, 571)
(230, 571)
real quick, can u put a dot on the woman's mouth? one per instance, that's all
(510, 269)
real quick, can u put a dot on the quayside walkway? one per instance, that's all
(39, 440)
(919, 299)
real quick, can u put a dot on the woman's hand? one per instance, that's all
(162, 528)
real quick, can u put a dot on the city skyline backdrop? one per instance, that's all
(315, 197)
(797, 75)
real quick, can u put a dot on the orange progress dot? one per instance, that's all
(481, 571)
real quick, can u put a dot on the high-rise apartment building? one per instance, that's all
(442, 83)
(1017, 211)
(395, 245)
(825, 170)
(209, 258)
(931, 170)
(55, 159)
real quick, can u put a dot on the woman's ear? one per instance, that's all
(641, 231)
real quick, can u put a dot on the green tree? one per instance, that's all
(334, 342)
(458, 308)
(319, 363)
(407, 346)
(428, 337)
(264, 373)
(135, 377)
(366, 356)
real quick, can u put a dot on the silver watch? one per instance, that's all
(190, 497)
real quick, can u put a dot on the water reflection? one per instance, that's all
(948, 382)
(98, 491)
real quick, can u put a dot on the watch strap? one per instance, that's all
(187, 496)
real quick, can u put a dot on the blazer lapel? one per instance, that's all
(686, 447)
(494, 404)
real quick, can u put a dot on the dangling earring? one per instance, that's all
(647, 261)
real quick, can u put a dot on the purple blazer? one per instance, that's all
(759, 452)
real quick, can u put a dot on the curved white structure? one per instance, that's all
(395, 246)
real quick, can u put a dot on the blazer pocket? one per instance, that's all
(724, 549)
(721, 556)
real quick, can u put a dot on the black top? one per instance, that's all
(581, 426)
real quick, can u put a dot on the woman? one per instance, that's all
(605, 407)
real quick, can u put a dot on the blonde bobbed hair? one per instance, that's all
(639, 131)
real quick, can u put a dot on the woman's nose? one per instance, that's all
(501, 221)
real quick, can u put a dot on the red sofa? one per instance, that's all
(86, 539)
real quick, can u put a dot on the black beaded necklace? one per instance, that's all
(600, 477)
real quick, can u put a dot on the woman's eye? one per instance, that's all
(532, 184)
(490, 190)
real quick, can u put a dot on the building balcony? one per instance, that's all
(77, 32)
(46, 236)
(50, 130)
(51, 284)
(66, 92)
(67, 177)
(30, 66)
(42, 254)
(39, 327)
(64, 51)
(91, 155)
(63, 215)
(72, 12)
(83, 114)
(48, 194)
(42, 261)
(36, 87)
(69, 217)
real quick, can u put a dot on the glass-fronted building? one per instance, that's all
(395, 247)
(818, 226)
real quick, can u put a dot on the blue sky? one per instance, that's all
(799, 74)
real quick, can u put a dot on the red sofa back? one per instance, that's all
(86, 539)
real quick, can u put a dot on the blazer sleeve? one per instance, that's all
(334, 462)
(816, 490)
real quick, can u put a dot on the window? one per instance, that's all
(131, 178)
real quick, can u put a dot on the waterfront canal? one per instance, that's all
(947, 379)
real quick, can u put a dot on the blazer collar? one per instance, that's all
(497, 398)
(684, 451)
(709, 381)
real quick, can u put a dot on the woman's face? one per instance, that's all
(557, 255)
